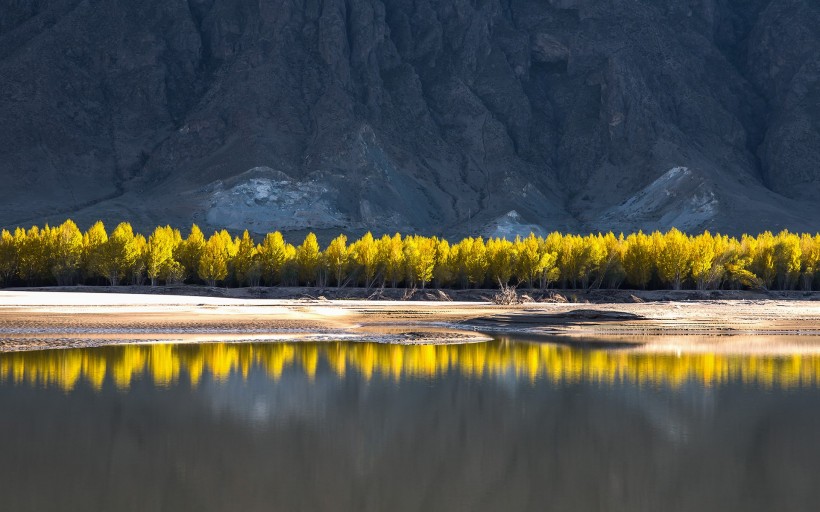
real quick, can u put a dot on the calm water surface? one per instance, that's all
(355, 426)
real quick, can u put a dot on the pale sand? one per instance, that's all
(37, 319)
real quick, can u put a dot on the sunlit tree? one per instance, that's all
(189, 252)
(290, 268)
(420, 258)
(159, 257)
(738, 262)
(534, 259)
(674, 258)
(391, 258)
(246, 263)
(337, 257)
(787, 256)
(31, 257)
(8, 257)
(638, 259)
(501, 260)
(94, 240)
(573, 260)
(307, 259)
(610, 269)
(474, 254)
(809, 259)
(213, 260)
(548, 255)
(365, 253)
(272, 256)
(137, 269)
(702, 255)
(761, 251)
(443, 273)
(595, 257)
(118, 255)
(66, 252)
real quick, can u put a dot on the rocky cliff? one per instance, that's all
(443, 116)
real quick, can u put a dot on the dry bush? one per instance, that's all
(506, 296)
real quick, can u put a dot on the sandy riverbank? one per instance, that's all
(50, 319)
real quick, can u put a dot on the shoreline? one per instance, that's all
(46, 319)
(551, 295)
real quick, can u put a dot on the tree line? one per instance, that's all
(65, 255)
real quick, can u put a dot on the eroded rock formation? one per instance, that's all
(435, 115)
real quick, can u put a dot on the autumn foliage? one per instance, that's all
(64, 255)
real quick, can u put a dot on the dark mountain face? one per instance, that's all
(442, 116)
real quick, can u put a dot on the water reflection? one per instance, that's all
(168, 364)
(500, 426)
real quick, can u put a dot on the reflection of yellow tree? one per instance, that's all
(166, 364)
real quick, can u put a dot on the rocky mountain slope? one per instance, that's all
(442, 116)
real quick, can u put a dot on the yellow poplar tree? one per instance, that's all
(500, 259)
(93, 241)
(609, 267)
(231, 243)
(809, 259)
(213, 261)
(189, 252)
(290, 268)
(595, 254)
(723, 247)
(702, 255)
(548, 259)
(420, 258)
(469, 261)
(475, 260)
(738, 262)
(159, 256)
(763, 264)
(137, 269)
(8, 257)
(787, 254)
(425, 265)
(31, 257)
(272, 256)
(712, 261)
(66, 252)
(246, 265)
(365, 253)
(442, 269)
(572, 259)
(674, 258)
(638, 259)
(118, 254)
(308, 257)
(337, 256)
(391, 257)
(534, 259)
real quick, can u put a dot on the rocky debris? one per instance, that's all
(439, 116)
(276, 202)
(678, 198)
(511, 225)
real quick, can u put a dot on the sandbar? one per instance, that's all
(32, 320)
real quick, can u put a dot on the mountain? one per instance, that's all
(438, 116)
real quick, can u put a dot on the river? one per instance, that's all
(505, 425)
